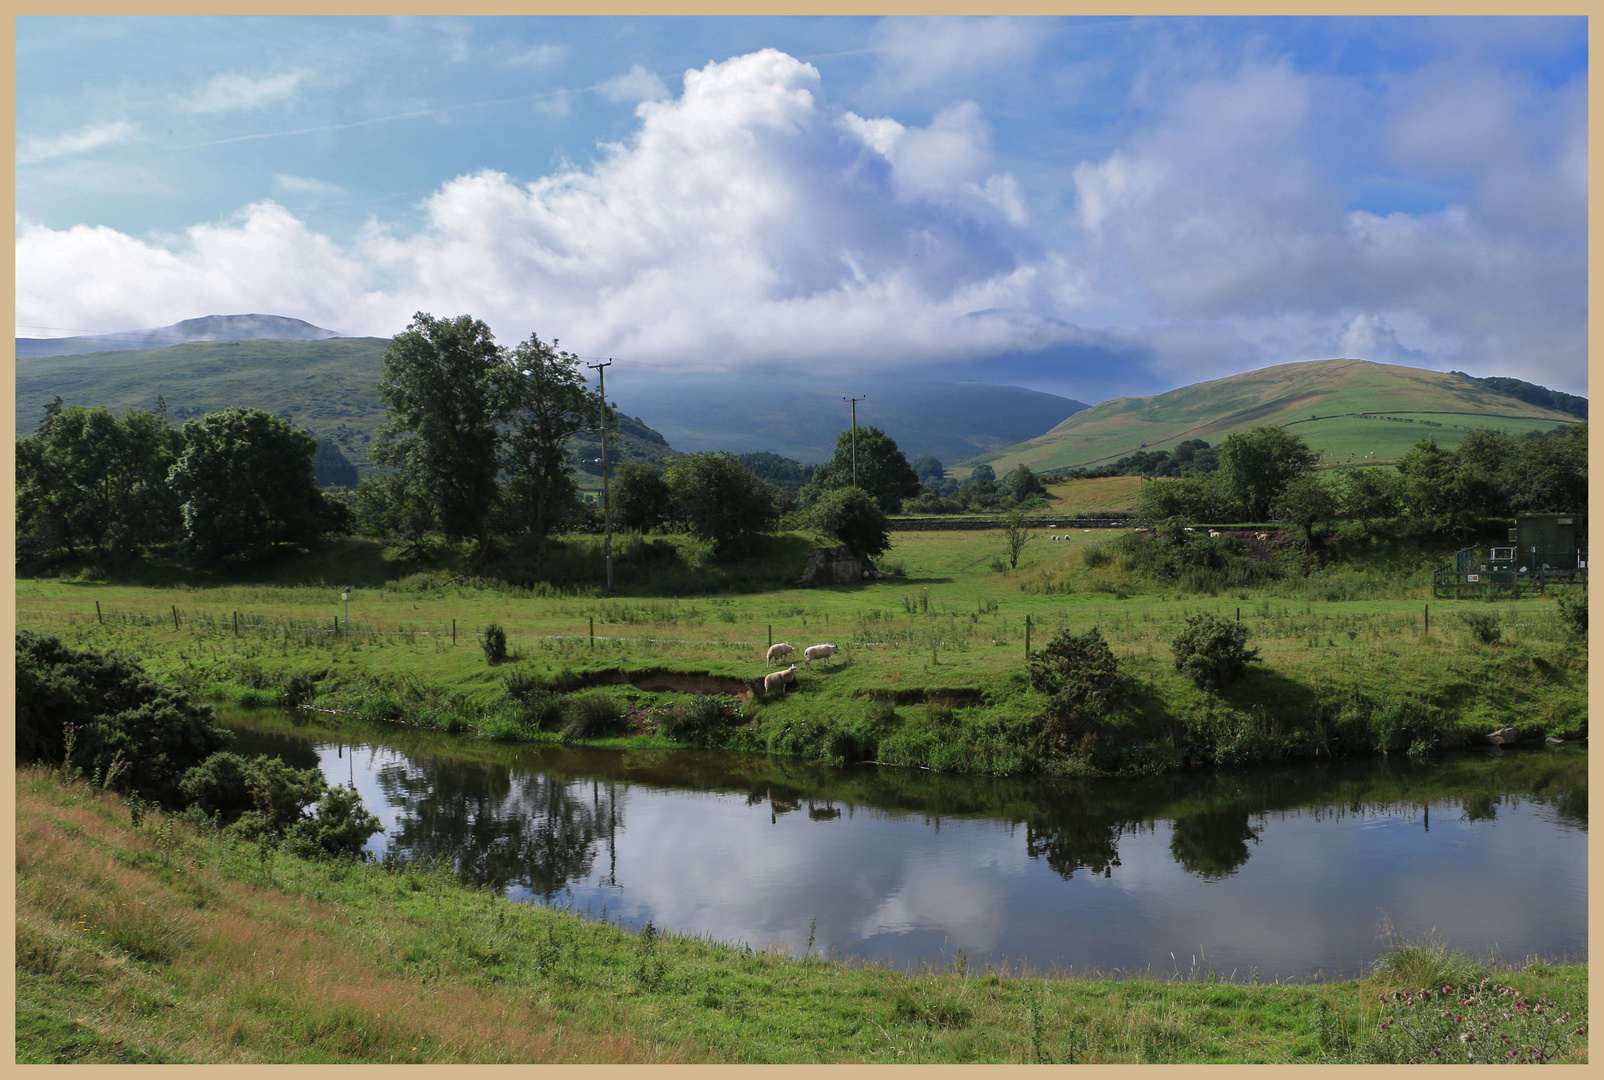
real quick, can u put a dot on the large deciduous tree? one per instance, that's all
(720, 500)
(449, 387)
(883, 471)
(549, 403)
(245, 485)
(89, 479)
(854, 518)
(641, 498)
(1258, 463)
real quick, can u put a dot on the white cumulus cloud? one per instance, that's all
(636, 84)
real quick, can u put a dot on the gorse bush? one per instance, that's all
(494, 644)
(1080, 675)
(1212, 651)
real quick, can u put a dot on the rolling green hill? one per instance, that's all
(1350, 410)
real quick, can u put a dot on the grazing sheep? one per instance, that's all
(818, 652)
(779, 679)
(1214, 534)
(1261, 536)
(779, 651)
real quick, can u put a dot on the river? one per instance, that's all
(1295, 872)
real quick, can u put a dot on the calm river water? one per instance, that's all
(1295, 872)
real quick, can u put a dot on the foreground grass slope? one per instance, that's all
(1347, 409)
(932, 668)
(158, 944)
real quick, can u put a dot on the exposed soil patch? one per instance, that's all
(661, 680)
(959, 696)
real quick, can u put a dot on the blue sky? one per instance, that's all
(1093, 207)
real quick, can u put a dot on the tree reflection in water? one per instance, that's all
(498, 828)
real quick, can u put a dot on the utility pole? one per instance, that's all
(855, 401)
(607, 503)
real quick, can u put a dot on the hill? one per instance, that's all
(1351, 410)
(208, 328)
(329, 387)
(799, 417)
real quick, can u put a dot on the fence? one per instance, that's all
(956, 522)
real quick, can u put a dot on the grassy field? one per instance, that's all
(932, 664)
(161, 944)
(1349, 410)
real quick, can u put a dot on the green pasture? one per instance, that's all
(932, 661)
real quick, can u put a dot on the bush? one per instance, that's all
(854, 518)
(341, 826)
(1080, 675)
(1483, 626)
(1094, 557)
(1483, 1022)
(1573, 611)
(115, 712)
(494, 644)
(1210, 649)
(589, 713)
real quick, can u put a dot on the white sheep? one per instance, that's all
(1214, 534)
(1261, 536)
(818, 652)
(779, 678)
(779, 651)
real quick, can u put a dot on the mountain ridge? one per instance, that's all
(251, 327)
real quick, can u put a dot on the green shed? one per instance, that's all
(1547, 532)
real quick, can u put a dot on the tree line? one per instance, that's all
(1268, 473)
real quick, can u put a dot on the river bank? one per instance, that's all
(931, 672)
(163, 944)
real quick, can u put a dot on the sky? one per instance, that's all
(1093, 207)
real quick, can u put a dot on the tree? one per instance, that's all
(89, 478)
(1210, 649)
(392, 508)
(1306, 500)
(549, 404)
(927, 469)
(1368, 494)
(448, 387)
(720, 501)
(1022, 484)
(1017, 536)
(1257, 464)
(853, 518)
(1080, 676)
(245, 486)
(641, 498)
(1172, 503)
(1548, 474)
(882, 470)
(1430, 486)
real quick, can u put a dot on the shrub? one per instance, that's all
(114, 710)
(341, 827)
(1080, 675)
(1483, 626)
(1210, 649)
(1094, 557)
(494, 644)
(1573, 611)
(589, 713)
(1467, 1023)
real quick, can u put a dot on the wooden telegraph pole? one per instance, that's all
(854, 401)
(607, 502)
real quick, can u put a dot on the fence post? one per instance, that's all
(453, 631)
(771, 635)
(175, 616)
(1428, 619)
(593, 631)
(236, 624)
(1238, 614)
(1027, 637)
(98, 617)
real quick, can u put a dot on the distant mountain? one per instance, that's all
(1351, 410)
(209, 328)
(799, 416)
(329, 387)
